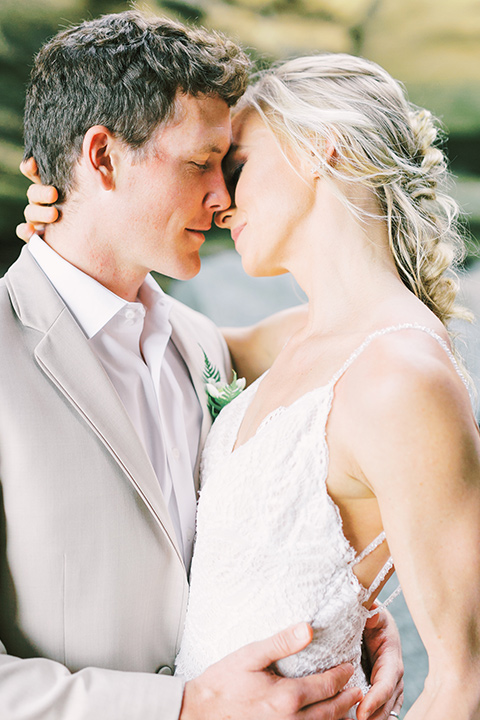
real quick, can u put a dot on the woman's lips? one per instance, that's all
(235, 232)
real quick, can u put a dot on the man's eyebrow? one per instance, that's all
(212, 149)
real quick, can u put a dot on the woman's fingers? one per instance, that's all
(41, 197)
(25, 231)
(40, 214)
(42, 194)
(30, 170)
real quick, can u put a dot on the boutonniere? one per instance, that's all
(219, 393)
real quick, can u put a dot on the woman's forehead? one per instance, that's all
(248, 126)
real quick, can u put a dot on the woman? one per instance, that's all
(363, 426)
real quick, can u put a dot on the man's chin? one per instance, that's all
(186, 271)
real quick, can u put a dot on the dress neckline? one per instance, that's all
(280, 410)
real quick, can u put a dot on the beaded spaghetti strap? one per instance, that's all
(370, 548)
(382, 574)
(381, 537)
(395, 328)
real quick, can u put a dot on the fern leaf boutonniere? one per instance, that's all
(219, 393)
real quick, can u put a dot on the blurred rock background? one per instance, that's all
(433, 46)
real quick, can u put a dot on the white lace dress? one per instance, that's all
(270, 549)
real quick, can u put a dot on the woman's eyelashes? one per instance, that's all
(232, 176)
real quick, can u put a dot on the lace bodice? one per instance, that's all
(270, 549)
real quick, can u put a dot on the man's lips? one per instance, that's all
(235, 232)
(199, 232)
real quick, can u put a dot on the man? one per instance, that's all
(103, 409)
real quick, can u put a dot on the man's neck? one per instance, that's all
(92, 256)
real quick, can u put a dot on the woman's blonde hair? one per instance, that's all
(381, 141)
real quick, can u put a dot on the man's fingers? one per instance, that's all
(383, 644)
(29, 169)
(25, 231)
(261, 654)
(398, 704)
(42, 194)
(376, 620)
(383, 713)
(40, 214)
(322, 686)
(374, 702)
(334, 709)
(373, 706)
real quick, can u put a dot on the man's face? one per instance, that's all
(170, 191)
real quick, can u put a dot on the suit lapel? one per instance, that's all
(192, 355)
(66, 358)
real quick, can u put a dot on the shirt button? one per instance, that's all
(176, 453)
(164, 670)
(130, 313)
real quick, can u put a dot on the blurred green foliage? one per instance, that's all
(431, 45)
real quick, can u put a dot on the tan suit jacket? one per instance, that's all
(92, 584)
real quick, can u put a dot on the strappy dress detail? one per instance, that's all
(270, 548)
(381, 575)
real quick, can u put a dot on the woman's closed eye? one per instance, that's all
(232, 176)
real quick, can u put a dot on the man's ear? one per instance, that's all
(100, 155)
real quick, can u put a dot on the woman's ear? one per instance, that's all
(330, 153)
(99, 154)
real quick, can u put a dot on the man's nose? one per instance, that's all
(218, 199)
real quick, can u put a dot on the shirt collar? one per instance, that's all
(90, 302)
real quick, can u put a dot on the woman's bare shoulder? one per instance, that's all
(407, 364)
(406, 391)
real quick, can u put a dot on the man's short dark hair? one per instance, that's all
(122, 71)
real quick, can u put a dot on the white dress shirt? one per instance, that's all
(133, 342)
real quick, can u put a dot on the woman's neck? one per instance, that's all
(346, 269)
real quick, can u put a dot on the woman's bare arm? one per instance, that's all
(418, 447)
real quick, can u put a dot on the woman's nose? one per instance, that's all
(223, 218)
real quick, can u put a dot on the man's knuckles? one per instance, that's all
(333, 681)
(289, 699)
